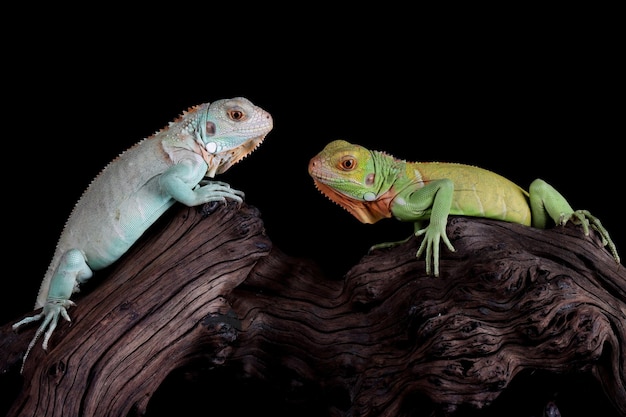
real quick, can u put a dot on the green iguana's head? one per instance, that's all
(352, 176)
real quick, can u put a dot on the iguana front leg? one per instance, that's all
(185, 183)
(71, 271)
(547, 203)
(431, 202)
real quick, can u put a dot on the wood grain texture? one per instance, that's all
(152, 313)
(207, 294)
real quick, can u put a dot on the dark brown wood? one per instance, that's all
(155, 311)
(206, 296)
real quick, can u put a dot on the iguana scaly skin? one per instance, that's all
(373, 185)
(137, 187)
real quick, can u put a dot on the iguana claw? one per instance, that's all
(432, 238)
(219, 191)
(586, 219)
(50, 313)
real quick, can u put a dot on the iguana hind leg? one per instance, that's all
(71, 271)
(417, 227)
(547, 203)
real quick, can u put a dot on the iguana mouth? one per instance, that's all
(366, 211)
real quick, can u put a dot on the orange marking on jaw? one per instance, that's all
(365, 211)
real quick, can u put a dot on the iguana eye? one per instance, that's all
(236, 115)
(347, 163)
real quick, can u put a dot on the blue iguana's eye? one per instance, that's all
(236, 115)
(347, 163)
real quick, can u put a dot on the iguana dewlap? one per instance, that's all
(137, 187)
(373, 185)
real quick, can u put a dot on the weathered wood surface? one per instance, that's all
(208, 295)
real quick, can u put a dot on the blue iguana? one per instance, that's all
(138, 186)
(372, 185)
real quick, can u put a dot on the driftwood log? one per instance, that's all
(204, 310)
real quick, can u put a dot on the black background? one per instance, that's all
(525, 93)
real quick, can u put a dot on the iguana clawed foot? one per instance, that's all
(430, 243)
(586, 219)
(218, 191)
(50, 313)
(386, 245)
(432, 237)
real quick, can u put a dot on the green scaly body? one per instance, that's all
(473, 191)
(373, 185)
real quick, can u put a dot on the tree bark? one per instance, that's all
(204, 293)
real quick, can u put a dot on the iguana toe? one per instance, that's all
(50, 314)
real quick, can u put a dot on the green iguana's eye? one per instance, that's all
(347, 163)
(236, 115)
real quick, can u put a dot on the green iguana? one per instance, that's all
(138, 186)
(373, 185)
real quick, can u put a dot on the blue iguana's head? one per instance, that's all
(229, 130)
(222, 132)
